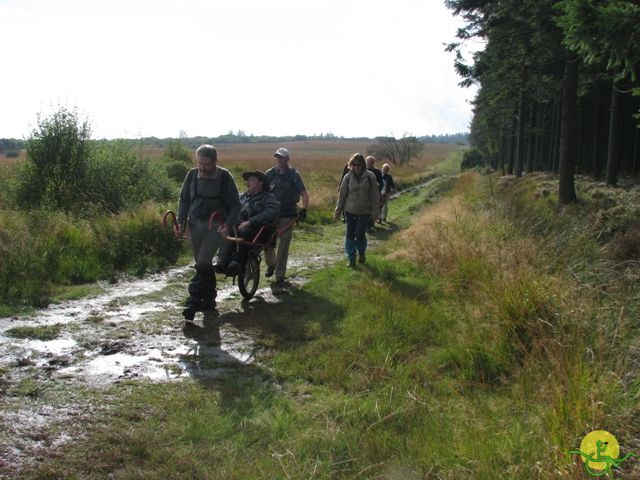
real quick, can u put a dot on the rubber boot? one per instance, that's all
(202, 288)
(361, 246)
(208, 299)
(350, 249)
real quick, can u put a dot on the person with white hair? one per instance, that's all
(388, 187)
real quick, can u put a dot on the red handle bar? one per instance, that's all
(176, 227)
(213, 217)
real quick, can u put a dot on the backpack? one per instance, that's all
(271, 175)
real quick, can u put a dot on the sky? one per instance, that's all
(165, 68)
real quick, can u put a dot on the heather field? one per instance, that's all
(487, 333)
(316, 159)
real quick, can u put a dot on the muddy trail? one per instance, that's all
(58, 365)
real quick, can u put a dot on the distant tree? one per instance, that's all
(460, 138)
(398, 152)
(8, 145)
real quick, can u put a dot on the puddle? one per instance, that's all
(114, 303)
(52, 347)
(133, 331)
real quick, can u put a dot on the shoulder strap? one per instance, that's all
(193, 183)
(270, 173)
(224, 182)
(292, 172)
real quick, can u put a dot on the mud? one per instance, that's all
(132, 331)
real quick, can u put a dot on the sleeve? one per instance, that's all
(392, 184)
(232, 201)
(378, 175)
(185, 199)
(342, 196)
(270, 212)
(374, 199)
(297, 181)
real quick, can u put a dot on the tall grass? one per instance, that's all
(525, 274)
(39, 249)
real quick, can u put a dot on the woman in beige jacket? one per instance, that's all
(360, 200)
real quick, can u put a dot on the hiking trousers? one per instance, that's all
(204, 244)
(356, 237)
(282, 248)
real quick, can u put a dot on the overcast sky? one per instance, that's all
(206, 67)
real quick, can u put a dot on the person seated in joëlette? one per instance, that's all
(259, 207)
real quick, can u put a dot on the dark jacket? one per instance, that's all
(259, 209)
(201, 196)
(287, 187)
(378, 174)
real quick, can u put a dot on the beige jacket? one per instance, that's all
(359, 196)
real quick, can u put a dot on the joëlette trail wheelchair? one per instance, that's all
(265, 237)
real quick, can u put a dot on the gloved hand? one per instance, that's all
(302, 214)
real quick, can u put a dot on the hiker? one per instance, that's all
(360, 200)
(258, 207)
(371, 160)
(388, 188)
(288, 187)
(206, 189)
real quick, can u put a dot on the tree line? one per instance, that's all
(558, 85)
(239, 137)
(10, 145)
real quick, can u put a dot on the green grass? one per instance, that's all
(44, 332)
(487, 361)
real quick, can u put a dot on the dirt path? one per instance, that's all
(131, 331)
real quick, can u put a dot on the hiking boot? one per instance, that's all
(362, 258)
(271, 269)
(189, 314)
(352, 263)
(208, 304)
(233, 268)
